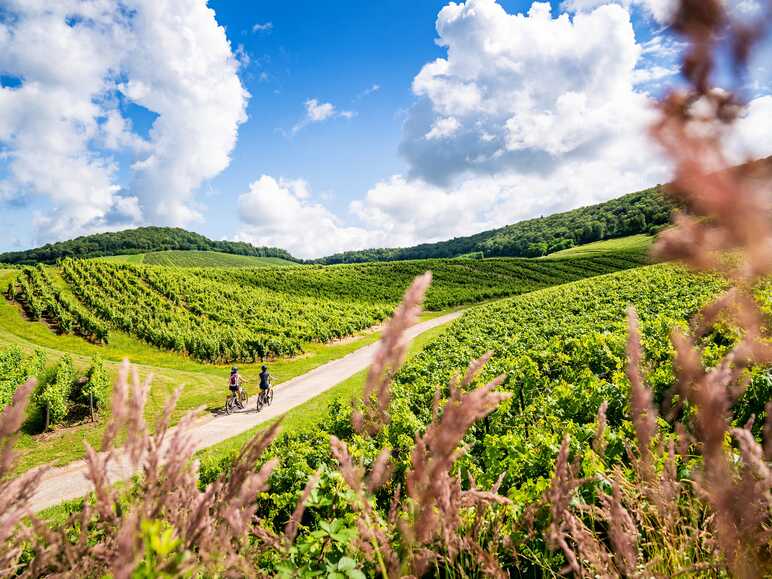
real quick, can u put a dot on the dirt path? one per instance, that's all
(69, 482)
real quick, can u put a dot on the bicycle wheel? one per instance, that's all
(244, 397)
(269, 396)
(259, 402)
(228, 405)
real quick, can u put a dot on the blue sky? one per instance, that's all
(336, 52)
(321, 127)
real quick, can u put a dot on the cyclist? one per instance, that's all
(234, 383)
(265, 379)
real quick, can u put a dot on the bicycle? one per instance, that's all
(264, 398)
(236, 399)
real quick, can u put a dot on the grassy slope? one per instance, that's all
(631, 244)
(193, 258)
(204, 384)
(131, 258)
(211, 259)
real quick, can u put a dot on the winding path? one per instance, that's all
(69, 482)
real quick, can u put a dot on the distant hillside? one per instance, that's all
(195, 258)
(644, 212)
(635, 245)
(135, 241)
(641, 213)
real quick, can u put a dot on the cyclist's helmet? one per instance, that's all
(265, 367)
(234, 370)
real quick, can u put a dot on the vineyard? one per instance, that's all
(588, 414)
(563, 352)
(456, 281)
(41, 299)
(210, 320)
(212, 259)
(229, 314)
(61, 394)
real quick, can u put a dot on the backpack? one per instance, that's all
(234, 380)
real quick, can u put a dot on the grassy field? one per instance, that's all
(632, 244)
(131, 258)
(193, 258)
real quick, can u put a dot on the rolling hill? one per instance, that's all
(644, 212)
(136, 241)
(195, 258)
(637, 214)
(223, 315)
(641, 213)
(182, 324)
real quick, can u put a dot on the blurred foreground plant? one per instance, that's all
(718, 520)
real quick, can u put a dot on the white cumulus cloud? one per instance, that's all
(524, 92)
(318, 112)
(62, 123)
(660, 10)
(443, 128)
(282, 213)
(752, 137)
(663, 11)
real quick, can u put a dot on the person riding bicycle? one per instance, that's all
(234, 383)
(265, 379)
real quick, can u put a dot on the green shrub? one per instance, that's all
(98, 384)
(15, 369)
(53, 396)
(10, 371)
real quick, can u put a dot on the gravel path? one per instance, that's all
(69, 482)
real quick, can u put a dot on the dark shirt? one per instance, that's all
(264, 379)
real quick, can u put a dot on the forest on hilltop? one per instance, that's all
(139, 240)
(642, 212)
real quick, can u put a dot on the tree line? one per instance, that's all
(133, 241)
